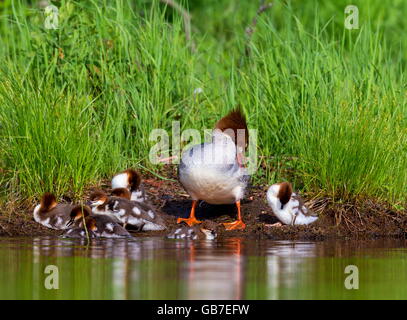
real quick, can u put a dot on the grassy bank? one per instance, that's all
(78, 103)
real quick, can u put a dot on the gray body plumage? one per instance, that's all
(210, 171)
(193, 233)
(56, 218)
(137, 214)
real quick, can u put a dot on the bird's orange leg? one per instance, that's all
(191, 220)
(238, 224)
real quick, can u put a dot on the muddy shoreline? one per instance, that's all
(360, 220)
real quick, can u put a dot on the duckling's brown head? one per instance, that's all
(134, 179)
(284, 193)
(91, 224)
(98, 198)
(121, 193)
(78, 212)
(48, 202)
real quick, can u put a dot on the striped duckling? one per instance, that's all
(52, 214)
(194, 233)
(98, 226)
(134, 213)
(130, 179)
(288, 206)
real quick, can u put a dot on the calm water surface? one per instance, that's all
(156, 268)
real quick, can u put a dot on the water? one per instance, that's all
(156, 268)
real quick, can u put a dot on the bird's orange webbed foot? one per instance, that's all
(236, 225)
(189, 221)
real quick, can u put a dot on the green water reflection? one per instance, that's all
(155, 268)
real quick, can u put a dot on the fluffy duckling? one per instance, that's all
(289, 207)
(121, 193)
(98, 226)
(51, 214)
(137, 214)
(194, 233)
(130, 179)
(214, 171)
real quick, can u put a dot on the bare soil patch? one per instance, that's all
(363, 219)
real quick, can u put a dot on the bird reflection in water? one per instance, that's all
(157, 268)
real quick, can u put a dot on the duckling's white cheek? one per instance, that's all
(136, 210)
(96, 203)
(109, 226)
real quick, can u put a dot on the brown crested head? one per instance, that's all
(234, 124)
(91, 224)
(78, 211)
(134, 179)
(121, 193)
(98, 195)
(284, 194)
(48, 202)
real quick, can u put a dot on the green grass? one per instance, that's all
(78, 103)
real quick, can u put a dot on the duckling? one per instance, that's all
(194, 233)
(130, 179)
(214, 171)
(121, 193)
(76, 224)
(125, 194)
(287, 206)
(51, 214)
(98, 226)
(98, 201)
(137, 214)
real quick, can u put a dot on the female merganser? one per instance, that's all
(51, 214)
(98, 226)
(214, 171)
(130, 179)
(194, 233)
(289, 207)
(134, 213)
